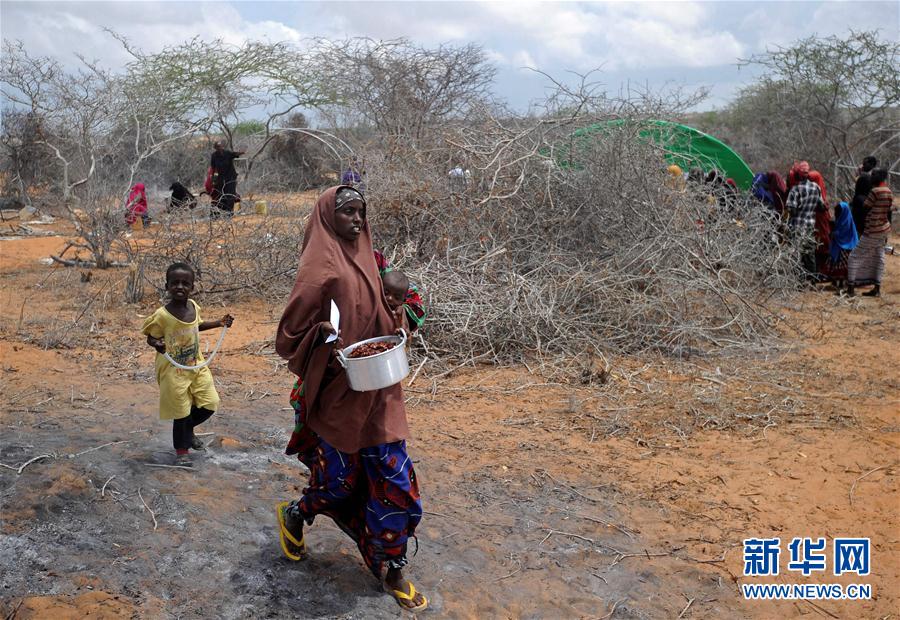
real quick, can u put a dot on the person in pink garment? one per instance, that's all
(136, 205)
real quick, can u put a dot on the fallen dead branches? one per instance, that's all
(181, 467)
(20, 468)
(690, 602)
(865, 475)
(646, 554)
(12, 614)
(620, 528)
(94, 449)
(508, 575)
(551, 532)
(152, 514)
(612, 610)
(569, 487)
(103, 490)
(70, 262)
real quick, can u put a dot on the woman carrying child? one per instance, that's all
(353, 442)
(400, 294)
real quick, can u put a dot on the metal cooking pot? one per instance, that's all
(376, 371)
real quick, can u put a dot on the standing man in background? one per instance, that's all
(224, 178)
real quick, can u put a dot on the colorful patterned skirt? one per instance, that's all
(372, 495)
(866, 263)
(837, 269)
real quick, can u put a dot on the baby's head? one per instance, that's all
(179, 280)
(395, 286)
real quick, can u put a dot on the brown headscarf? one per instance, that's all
(345, 271)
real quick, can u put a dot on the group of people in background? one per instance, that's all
(220, 185)
(844, 244)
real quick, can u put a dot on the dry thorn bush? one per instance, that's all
(535, 259)
(253, 255)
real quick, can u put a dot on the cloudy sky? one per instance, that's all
(688, 44)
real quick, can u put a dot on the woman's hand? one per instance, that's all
(327, 330)
(226, 320)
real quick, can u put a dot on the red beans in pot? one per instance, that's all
(371, 348)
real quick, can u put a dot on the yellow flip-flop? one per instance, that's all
(400, 596)
(285, 537)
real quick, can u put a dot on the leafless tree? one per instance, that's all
(830, 100)
(104, 128)
(100, 127)
(23, 155)
(403, 90)
(222, 83)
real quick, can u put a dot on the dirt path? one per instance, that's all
(543, 501)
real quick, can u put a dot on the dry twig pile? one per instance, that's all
(535, 258)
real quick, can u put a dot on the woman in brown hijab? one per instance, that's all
(352, 442)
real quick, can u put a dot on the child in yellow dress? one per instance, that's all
(187, 397)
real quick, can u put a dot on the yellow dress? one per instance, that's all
(180, 389)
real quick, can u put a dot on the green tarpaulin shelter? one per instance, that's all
(685, 146)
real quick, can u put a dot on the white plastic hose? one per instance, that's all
(208, 359)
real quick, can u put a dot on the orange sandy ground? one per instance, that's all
(530, 496)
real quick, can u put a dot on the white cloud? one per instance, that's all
(800, 20)
(223, 21)
(680, 40)
(498, 58)
(522, 59)
(551, 31)
(837, 17)
(616, 36)
(667, 35)
(62, 29)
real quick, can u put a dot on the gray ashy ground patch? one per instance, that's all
(215, 551)
(217, 557)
